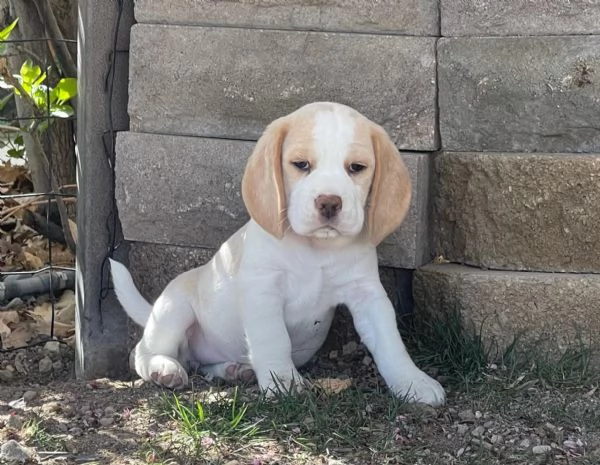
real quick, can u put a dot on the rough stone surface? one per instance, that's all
(411, 17)
(518, 211)
(550, 312)
(186, 191)
(154, 265)
(530, 94)
(519, 17)
(239, 80)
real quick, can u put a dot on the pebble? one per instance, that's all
(541, 450)
(496, 439)
(28, 396)
(57, 366)
(333, 355)
(13, 452)
(367, 361)
(462, 429)
(232, 462)
(524, 444)
(45, 365)
(52, 348)
(108, 411)
(76, 431)
(467, 416)
(350, 348)
(15, 421)
(6, 375)
(478, 432)
(21, 363)
(106, 421)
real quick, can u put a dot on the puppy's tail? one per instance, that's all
(130, 298)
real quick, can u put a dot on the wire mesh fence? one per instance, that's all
(38, 191)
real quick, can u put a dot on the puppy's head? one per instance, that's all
(326, 171)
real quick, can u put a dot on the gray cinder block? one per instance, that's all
(186, 191)
(230, 83)
(525, 94)
(519, 17)
(410, 17)
(548, 312)
(519, 211)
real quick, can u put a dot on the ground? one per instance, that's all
(506, 413)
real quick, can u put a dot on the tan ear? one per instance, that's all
(391, 188)
(262, 185)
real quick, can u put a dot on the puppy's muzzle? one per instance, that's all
(328, 205)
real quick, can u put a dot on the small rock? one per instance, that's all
(14, 421)
(106, 421)
(52, 348)
(232, 462)
(45, 365)
(28, 396)
(62, 427)
(367, 361)
(333, 355)
(108, 411)
(57, 366)
(350, 348)
(462, 429)
(488, 424)
(76, 431)
(14, 303)
(52, 407)
(21, 363)
(524, 444)
(13, 452)
(6, 375)
(496, 439)
(478, 432)
(478, 414)
(467, 416)
(541, 450)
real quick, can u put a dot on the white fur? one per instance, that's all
(266, 305)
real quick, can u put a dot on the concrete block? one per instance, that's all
(550, 312)
(530, 94)
(153, 266)
(186, 191)
(518, 211)
(519, 17)
(230, 83)
(410, 17)
(180, 190)
(408, 246)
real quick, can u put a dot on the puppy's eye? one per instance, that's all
(356, 168)
(302, 165)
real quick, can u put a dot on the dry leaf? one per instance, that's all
(32, 262)
(42, 314)
(333, 385)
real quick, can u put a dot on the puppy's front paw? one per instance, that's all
(419, 387)
(273, 383)
(167, 372)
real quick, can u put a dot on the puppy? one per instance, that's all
(323, 186)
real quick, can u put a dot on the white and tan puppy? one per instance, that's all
(323, 187)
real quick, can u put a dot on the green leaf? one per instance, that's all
(30, 72)
(65, 90)
(5, 33)
(62, 111)
(15, 153)
(18, 140)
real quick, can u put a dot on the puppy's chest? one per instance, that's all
(308, 296)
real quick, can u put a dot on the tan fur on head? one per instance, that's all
(262, 184)
(391, 189)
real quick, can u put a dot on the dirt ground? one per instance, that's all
(500, 418)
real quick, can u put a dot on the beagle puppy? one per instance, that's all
(323, 186)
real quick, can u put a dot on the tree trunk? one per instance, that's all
(58, 140)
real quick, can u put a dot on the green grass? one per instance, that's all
(38, 436)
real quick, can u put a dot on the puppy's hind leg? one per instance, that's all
(156, 355)
(230, 371)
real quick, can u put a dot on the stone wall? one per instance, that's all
(494, 105)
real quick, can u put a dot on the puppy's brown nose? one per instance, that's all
(328, 205)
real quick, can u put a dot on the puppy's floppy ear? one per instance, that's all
(262, 185)
(391, 188)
